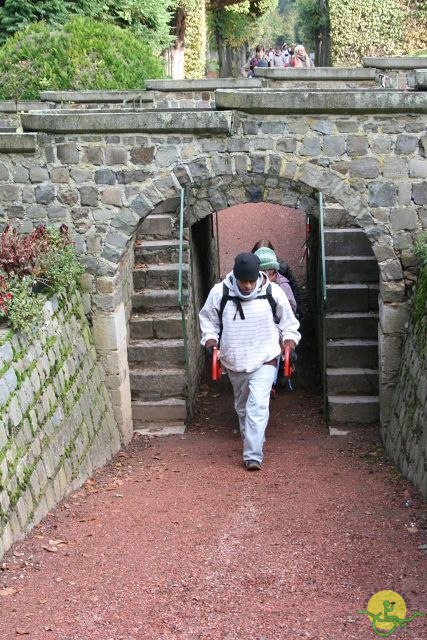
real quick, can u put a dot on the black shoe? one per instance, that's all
(252, 465)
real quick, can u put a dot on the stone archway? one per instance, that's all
(208, 195)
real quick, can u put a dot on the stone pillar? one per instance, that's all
(393, 318)
(110, 336)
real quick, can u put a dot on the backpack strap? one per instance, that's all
(273, 303)
(224, 300)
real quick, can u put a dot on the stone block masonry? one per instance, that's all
(56, 419)
(405, 438)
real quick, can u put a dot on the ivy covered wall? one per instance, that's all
(375, 28)
(56, 420)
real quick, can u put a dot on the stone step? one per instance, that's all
(151, 384)
(167, 428)
(334, 215)
(162, 276)
(159, 251)
(351, 269)
(353, 409)
(348, 381)
(169, 409)
(157, 226)
(351, 325)
(165, 324)
(157, 352)
(352, 353)
(156, 299)
(347, 242)
(352, 297)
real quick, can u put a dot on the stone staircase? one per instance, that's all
(156, 347)
(350, 323)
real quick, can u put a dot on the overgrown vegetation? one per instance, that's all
(32, 268)
(376, 28)
(420, 298)
(195, 36)
(148, 19)
(82, 54)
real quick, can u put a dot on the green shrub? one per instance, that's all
(33, 267)
(82, 54)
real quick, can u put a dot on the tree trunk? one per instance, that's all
(177, 51)
(322, 38)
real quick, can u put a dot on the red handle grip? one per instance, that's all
(216, 365)
(287, 366)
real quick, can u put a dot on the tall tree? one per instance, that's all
(236, 27)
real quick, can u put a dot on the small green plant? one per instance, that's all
(32, 268)
(58, 268)
(26, 306)
(420, 299)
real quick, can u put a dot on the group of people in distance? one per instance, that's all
(279, 57)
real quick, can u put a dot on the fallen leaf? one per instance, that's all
(50, 549)
(54, 543)
(8, 591)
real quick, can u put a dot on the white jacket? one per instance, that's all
(246, 344)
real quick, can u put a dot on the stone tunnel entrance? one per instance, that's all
(339, 348)
(237, 229)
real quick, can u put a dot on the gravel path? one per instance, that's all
(175, 540)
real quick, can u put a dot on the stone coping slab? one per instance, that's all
(322, 101)
(9, 106)
(96, 96)
(18, 142)
(396, 62)
(204, 84)
(177, 120)
(316, 73)
(421, 79)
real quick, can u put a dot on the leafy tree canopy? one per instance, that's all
(239, 26)
(149, 18)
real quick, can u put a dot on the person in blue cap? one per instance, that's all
(251, 320)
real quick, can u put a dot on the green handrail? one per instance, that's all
(180, 266)
(322, 313)
(322, 249)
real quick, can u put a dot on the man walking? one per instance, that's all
(252, 321)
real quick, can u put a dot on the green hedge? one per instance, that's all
(82, 54)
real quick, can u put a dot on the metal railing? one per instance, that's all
(322, 250)
(322, 283)
(181, 303)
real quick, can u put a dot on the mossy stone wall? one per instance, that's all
(406, 436)
(56, 420)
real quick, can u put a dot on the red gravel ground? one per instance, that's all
(175, 540)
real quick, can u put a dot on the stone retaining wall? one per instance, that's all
(406, 437)
(56, 419)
